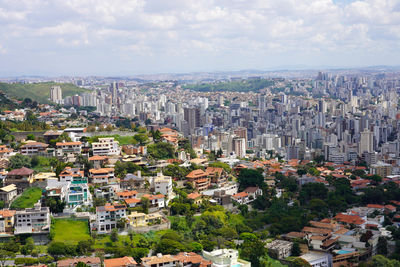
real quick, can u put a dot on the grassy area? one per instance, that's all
(270, 262)
(38, 91)
(70, 231)
(123, 140)
(28, 198)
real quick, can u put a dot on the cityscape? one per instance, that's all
(200, 134)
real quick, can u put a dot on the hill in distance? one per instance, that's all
(39, 92)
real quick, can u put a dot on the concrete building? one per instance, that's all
(56, 94)
(382, 169)
(107, 217)
(366, 142)
(318, 259)
(32, 220)
(162, 184)
(280, 249)
(106, 146)
(33, 148)
(8, 193)
(225, 258)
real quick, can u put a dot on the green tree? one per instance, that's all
(5, 255)
(57, 249)
(382, 246)
(18, 161)
(169, 246)
(28, 247)
(145, 204)
(253, 251)
(296, 251)
(313, 190)
(250, 177)
(141, 138)
(161, 150)
(114, 235)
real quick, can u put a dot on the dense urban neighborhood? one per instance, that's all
(228, 172)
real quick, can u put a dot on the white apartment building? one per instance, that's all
(64, 148)
(32, 220)
(56, 94)
(106, 146)
(162, 184)
(108, 216)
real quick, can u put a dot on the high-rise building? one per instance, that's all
(239, 147)
(56, 94)
(242, 133)
(192, 116)
(114, 92)
(366, 142)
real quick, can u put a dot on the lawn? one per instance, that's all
(28, 198)
(70, 231)
(123, 140)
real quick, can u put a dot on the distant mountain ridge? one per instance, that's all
(39, 92)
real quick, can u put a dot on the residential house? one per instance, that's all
(71, 174)
(32, 220)
(7, 221)
(225, 258)
(159, 260)
(78, 194)
(120, 262)
(8, 193)
(191, 259)
(131, 181)
(89, 261)
(51, 135)
(5, 152)
(126, 194)
(139, 219)
(108, 216)
(241, 198)
(101, 176)
(253, 192)
(156, 201)
(199, 179)
(217, 176)
(106, 146)
(196, 197)
(98, 161)
(318, 259)
(65, 148)
(162, 184)
(33, 148)
(22, 178)
(43, 177)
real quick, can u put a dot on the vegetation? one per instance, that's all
(28, 198)
(161, 150)
(39, 92)
(233, 86)
(69, 231)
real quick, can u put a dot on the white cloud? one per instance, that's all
(218, 32)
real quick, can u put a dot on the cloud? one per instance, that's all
(189, 35)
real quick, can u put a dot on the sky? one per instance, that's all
(130, 37)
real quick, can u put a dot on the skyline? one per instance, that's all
(148, 37)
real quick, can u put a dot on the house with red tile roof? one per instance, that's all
(120, 262)
(199, 179)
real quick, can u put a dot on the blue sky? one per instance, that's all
(128, 37)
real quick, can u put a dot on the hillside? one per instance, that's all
(38, 91)
(233, 86)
